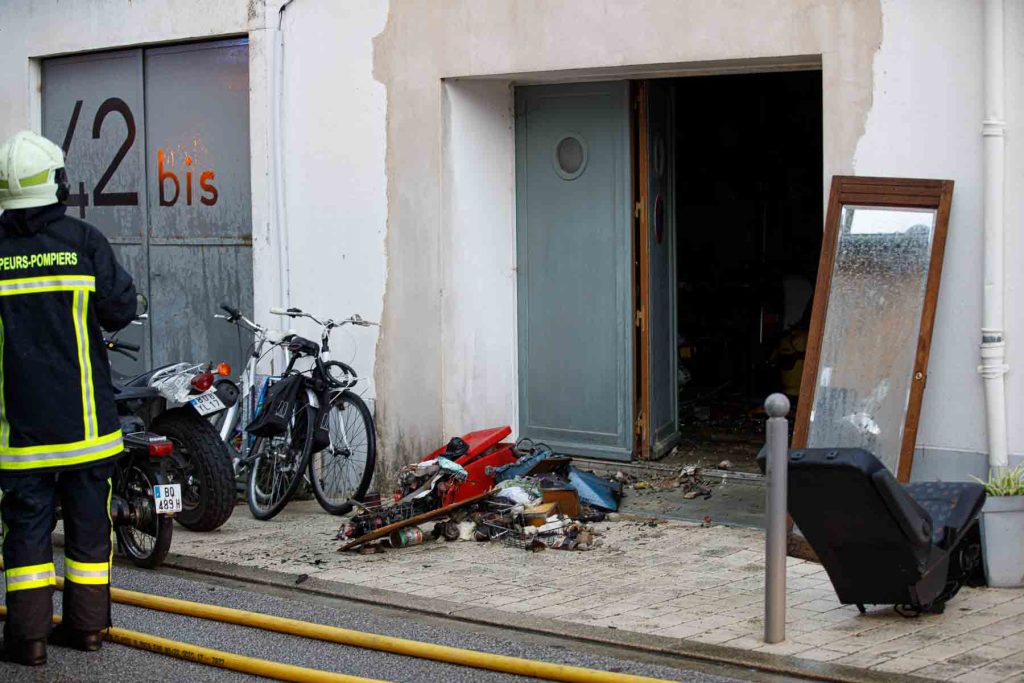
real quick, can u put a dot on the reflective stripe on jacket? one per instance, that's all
(59, 285)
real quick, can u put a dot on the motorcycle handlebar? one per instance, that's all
(116, 345)
(123, 348)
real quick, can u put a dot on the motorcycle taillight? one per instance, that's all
(159, 449)
(203, 381)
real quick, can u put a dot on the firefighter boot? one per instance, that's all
(25, 652)
(86, 641)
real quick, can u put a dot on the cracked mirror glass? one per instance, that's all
(871, 330)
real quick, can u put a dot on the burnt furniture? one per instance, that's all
(882, 542)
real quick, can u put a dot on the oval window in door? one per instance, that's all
(659, 156)
(570, 156)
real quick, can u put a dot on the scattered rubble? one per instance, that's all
(478, 488)
(688, 479)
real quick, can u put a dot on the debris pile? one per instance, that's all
(688, 479)
(478, 488)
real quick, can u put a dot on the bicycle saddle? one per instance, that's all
(303, 347)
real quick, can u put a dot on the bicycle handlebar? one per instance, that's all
(291, 312)
(235, 316)
(356, 319)
(233, 312)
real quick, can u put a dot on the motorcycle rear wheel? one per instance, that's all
(201, 464)
(148, 540)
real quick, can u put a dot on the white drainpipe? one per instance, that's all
(281, 241)
(277, 161)
(993, 347)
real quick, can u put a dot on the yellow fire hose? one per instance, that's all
(369, 641)
(372, 641)
(223, 660)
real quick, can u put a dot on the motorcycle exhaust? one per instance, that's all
(120, 511)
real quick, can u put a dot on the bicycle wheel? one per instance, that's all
(277, 464)
(342, 472)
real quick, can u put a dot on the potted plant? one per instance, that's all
(1002, 528)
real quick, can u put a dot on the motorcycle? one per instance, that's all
(187, 395)
(142, 499)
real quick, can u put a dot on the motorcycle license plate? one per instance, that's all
(167, 498)
(207, 403)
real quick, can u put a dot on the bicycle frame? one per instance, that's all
(250, 397)
(248, 403)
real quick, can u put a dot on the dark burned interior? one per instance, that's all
(749, 209)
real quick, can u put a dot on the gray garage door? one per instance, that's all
(157, 145)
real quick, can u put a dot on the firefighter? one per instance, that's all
(59, 430)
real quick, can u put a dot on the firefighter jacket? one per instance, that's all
(59, 283)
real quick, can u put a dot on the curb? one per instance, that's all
(649, 643)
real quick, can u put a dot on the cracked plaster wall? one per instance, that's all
(378, 96)
(422, 357)
(926, 122)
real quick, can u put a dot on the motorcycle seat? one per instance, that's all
(129, 393)
(140, 380)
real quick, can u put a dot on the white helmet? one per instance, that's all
(28, 169)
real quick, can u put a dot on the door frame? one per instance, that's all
(638, 139)
(641, 271)
(644, 445)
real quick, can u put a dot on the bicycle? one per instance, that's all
(340, 473)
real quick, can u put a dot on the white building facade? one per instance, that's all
(382, 166)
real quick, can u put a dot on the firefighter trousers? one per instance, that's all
(29, 515)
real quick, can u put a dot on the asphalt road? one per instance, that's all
(123, 664)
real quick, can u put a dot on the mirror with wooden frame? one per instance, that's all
(871, 324)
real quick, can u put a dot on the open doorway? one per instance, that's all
(633, 342)
(745, 203)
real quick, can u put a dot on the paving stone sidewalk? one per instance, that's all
(671, 579)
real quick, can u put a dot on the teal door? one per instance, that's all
(663, 383)
(574, 272)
